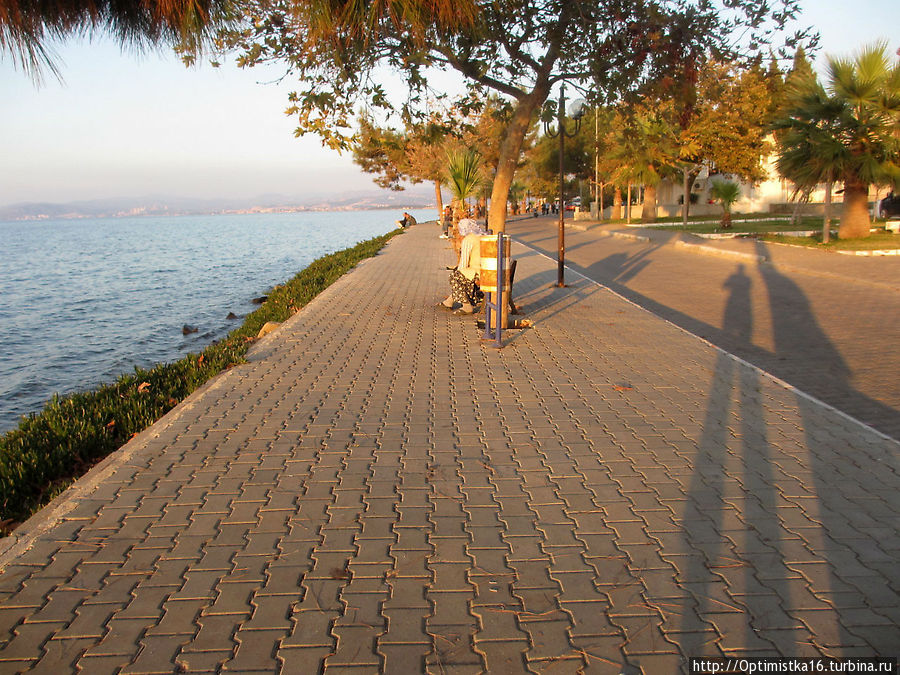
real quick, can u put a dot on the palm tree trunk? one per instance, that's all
(648, 210)
(616, 213)
(826, 224)
(855, 214)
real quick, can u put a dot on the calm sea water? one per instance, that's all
(84, 301)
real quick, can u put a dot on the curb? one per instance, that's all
(880, 252)
(50, 515)
(712, 250)
(625, 235)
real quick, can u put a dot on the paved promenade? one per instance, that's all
(378, 491)
(827, 323)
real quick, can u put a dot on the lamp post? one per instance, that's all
(576, 111)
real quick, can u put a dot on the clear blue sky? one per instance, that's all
(123, 125)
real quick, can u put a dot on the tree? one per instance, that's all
(464, 177)
(541, 174)
(517, 49)
(726, 194)
(419, 152)
(26, 26)
(725, 125)
(730, 127)
(645, 150)
(382, 152)
(849, 131)
(809, 147)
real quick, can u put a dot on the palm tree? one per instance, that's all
(849, 131)
(726, 193)
(810, 147)
(464, 178)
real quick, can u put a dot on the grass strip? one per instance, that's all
(874, 242)
(744, 224)
(51, 449)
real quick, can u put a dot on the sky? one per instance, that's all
(122, 125)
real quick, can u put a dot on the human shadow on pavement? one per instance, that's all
(846, 512)
(829, 379)
(733, 544)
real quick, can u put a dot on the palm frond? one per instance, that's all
(27, 26)
(725, 192)
(464, 172)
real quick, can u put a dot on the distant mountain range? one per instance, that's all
(417, 196)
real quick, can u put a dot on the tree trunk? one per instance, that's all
(440, 200)
(628, 206)
(616, 213)
(510, 149)
(648, 210)
(726, 220)
(686, 195)
(826, 224)
(855, 214)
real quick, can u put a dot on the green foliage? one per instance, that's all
(849, 131)
(339, 49)
(464, 173)
(645, 146)
(27, 27)
(73, 433)
(730, 125)
(726, 193)
(382, 152)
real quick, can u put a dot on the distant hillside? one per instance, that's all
(415, 197)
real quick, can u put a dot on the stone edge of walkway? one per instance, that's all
(46, 518)
(50, 515)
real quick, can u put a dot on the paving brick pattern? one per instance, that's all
(827, 323)
(378, 491)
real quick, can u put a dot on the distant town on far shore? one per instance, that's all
(417, 196)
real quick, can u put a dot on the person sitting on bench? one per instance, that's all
(464, 277)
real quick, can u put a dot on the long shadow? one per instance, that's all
(728, 521)
(538, 292)
(853, 482)
(830, 383)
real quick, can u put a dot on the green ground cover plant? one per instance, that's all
(879, 240)
(50, 449)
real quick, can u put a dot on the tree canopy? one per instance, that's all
(519, 49)
(848, 131)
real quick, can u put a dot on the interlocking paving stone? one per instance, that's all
(605, 494)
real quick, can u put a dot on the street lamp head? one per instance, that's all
(577, 108)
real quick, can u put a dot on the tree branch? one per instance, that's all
(470, 70)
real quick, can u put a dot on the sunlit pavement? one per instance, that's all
(378, 490)
(824, 322)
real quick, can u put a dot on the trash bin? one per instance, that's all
(488, 273)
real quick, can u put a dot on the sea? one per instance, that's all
(84, 301)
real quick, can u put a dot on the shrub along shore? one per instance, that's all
(51, 449)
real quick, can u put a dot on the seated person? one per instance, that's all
(406, 221)
(464, 277)
(466, 226)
